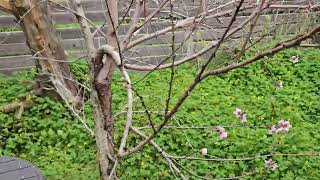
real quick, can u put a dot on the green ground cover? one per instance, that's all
(49, 135)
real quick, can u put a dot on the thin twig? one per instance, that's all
(186, 93)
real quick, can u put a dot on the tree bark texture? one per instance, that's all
(102, 71)
(53, 70)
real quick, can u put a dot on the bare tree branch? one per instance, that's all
(162, 152)
(135, 27)
(279, 47)
(186, 93)
(182, 24)
(210, 46)
(135, 21)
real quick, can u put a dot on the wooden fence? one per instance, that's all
(15, 55)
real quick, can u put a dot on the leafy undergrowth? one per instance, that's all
(50, 137)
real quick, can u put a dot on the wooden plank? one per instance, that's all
(12, 61)
(23, 49)
(67, 18)
(152, 60)
(96, 14)
(74, 33)
(96, 5)
(10, 64)
(16, 61)
(163, 40)
(14, 49)
(100, 5)
(12, 37)
(59, 17)
(154, 47)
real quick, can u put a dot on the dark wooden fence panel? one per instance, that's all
(21, 48)
(15, 54)
(95, 11)
(75, 33)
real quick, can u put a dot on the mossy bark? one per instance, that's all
(54, 75)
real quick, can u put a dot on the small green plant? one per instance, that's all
(52, 138)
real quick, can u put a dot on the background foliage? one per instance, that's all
(49, 135)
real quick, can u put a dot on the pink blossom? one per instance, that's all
(273, 129)
(222, 132)
(282, 127)
(204, 151)
(242, 116)
(271, 164)
(223, 135)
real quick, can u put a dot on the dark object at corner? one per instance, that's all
(12, 168)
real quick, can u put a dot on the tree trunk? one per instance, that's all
(102, 99)
(101, 95)
(53, 70)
